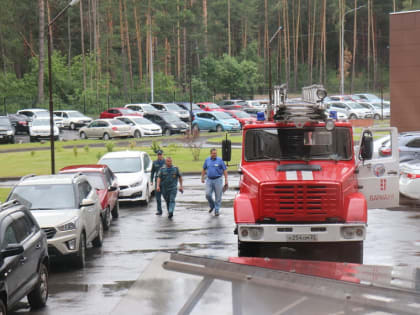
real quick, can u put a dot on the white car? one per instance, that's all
(141, 127)
(40, 113)
(410, 179)
(40, 129)
(141, 108)
(72, 119)
(67, 208)
(132, 169)
(353, 110)
(376, 108)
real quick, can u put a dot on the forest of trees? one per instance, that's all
(217, 47)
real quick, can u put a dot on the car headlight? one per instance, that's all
(136, 183)
(254, 233)
(352, 232)
(173, 126)
(69, 226)
(9, 132)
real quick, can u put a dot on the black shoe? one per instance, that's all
(216, 213)
(158, 213)
(170, 215)
(211, 210)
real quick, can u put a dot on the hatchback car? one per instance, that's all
(141, 127)
(371, 98)
(106, 185)
(210, 107)
(408, 145)
(410, 179)
(40, 113)
(40, 129)
(353, 110)
(118, 111)
(72, 119)
(141, 108)
(105, 129)
(215, 121)
(377, 109)
(20, 123)
(132, 169)
(170, 123)
(174, 109)
(7, 131)
(242, 117)
(67, 208)
(25, 262)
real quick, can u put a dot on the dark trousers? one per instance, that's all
(169, 195)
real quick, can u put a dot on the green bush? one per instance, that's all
(110, 146)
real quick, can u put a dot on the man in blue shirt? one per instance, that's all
(156, 166)
(215, 169)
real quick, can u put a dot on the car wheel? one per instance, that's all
(31, 139)
(80, 257)
(72, 126)
(13, 140)
(106, 219)
(167, 132)
(116, 210)
(352, 116)
(3, 310)
(219, 128)
(83, 136)
(106, 136)
(38, 296)
(97, 242)
(377, 116)
(137, 134)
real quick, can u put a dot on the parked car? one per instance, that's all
(105, 129)
(256, 104)
(72, 119)
(410, 179)
(106, 184)
(19, 122)
(242, 117)
(7, 131)
(141, 127)
(118, 111)
(340, 98)
(67, 208)
(353, 110)
(209, 107)
(40, 129)
(170, 123)
(187, 105)
(40, 113)
(141, 108)
(408, 144)
(215, 121)
(233, 104)
(376, 109)
(132, 169)
(371, 98)
(175, 109)
(24, 258)
(253, 111)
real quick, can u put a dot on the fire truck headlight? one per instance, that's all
(349, 233)
(329, 125)
(256, 233)
(244, 232)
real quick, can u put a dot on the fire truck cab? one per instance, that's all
(304, 183)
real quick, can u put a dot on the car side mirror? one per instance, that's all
(112, 188)
(12, 250)
(87, 202)
(366, 147)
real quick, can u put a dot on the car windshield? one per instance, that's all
(97, 180)
(355, 105)
(45, 197)
(127, 111)
(75, 114)
(222, 115)
(123, 165)
(212, 106)
(42, 114)
(379, 105)
(310, 143)
(4, 121)
(169, 117)
(116, 122)
(242, 114)
(194, 106)
(148, 108)
(41, 122)
(141, 121)
(173, 107)
(255, 104)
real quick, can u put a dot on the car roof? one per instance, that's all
(48, 179)
(34, 110)
(67, 111)
(123, 154)
(84, 168)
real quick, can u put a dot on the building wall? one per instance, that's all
(405, 70)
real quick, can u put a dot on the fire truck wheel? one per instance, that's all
(246, 249)
(352, 252)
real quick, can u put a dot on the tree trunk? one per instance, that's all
(229, 31)
(82, 40)
(178, 43)
(127, 38)
(206, 44)
(41, 6)
(368, 45)
(374, 49)
(49, 20)
(313, 27)
(296, 46)
(279, 53)
(69, 43)
(266, 43)
(139, 48)
(353, 70)
(123, 54)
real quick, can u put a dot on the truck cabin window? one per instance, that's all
(310, 143)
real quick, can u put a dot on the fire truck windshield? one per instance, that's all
(311, 143)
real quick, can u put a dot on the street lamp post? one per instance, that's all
(342, 48)
(270, 88)
(51, 107)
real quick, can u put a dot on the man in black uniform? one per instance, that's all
(157, 164)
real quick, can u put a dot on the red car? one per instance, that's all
(118, 111)
(209, 107)
(242, 117)
(105, 182)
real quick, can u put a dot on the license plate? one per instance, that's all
(1, 137)
(302, 238)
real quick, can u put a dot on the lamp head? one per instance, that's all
(73, 2)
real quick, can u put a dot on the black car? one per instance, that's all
(7, 131)
(170, 123)
(24, 258)
(20, 122)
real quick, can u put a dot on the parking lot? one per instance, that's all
(139, 234)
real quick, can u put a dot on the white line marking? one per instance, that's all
(307, 175)
(378, 298)
(290, 306)
(291, 175)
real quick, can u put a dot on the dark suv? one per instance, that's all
(24, 258)
(170, 123)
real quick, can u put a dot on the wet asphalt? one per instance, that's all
(129, 246)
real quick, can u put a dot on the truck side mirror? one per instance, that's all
(226, 150)
(366, 147)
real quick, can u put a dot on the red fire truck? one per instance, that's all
(304, 185)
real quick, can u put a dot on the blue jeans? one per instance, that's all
(169, 195)
(216, 186)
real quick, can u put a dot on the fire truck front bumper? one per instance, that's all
(306, 233)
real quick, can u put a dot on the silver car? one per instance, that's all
(105, 129)
(182, 114)
(353, 110)
(377, 110)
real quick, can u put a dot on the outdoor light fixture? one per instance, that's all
(321, 94)
(329, 125)
(73, 2)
